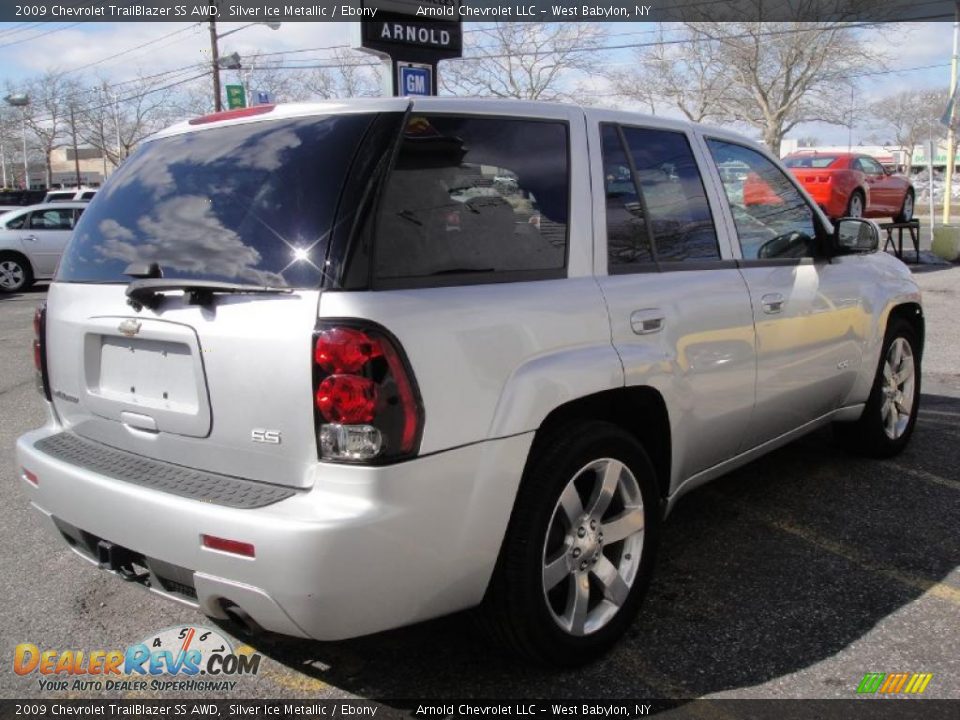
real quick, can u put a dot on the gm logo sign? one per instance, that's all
(415, 79)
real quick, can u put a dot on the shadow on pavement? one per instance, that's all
(34, 290)
(767, 571)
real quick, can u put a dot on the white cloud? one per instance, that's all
(83, 44)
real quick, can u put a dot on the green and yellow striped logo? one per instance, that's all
(892, 683)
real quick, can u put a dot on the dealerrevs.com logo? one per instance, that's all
(179, 658)
(894, 683)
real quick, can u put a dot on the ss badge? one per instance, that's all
(265, 436)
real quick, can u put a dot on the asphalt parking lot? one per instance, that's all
(789, 578)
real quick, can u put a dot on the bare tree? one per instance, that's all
(687, 76)
(348, 75)
(116, 120)
(47, 115)
(911, 117)
(773, 76)
(532, 61)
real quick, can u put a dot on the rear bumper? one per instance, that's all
(366, 549)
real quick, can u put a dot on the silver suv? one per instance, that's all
(335, 368)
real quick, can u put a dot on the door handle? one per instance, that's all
(645, 322)
(31, 238)
(772, 303)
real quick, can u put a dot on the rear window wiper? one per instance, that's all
(149, 292)
(463, 271)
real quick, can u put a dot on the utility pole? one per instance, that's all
(76, 150)
(215, 58)
(951, 130)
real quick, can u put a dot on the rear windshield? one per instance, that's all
(817, 161)
(250, 203)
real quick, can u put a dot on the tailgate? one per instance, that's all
(192, 386)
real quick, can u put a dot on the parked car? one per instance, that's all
(32, 240)
(13, 199)
(70, 195)
(284, 388)
(853, 185)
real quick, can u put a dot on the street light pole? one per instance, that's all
(215, 52)
(21, 101)
(26, 166)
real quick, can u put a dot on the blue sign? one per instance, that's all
(263, 97)
(416, 80)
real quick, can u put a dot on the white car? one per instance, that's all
(70, 195)
(32, 240)
(283, 387)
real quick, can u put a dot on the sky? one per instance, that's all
(111, 50)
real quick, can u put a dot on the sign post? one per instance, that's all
(413, 44)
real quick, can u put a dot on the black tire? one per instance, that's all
(16, 275)
(516, 608)
(906, 215)
(863, 204)
(868, 436)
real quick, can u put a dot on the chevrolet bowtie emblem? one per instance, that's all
(129, 327)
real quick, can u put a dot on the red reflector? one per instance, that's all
(231, 114)
(30, 477)
(344, 350)
(347, 399)
(37, 357)
(37, 315)
(234, 547)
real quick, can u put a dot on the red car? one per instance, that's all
(853, 185)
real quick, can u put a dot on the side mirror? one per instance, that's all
(855, 235)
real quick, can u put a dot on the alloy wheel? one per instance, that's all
(856, 206)
(593, 546)
(11, 275)
(898, 388)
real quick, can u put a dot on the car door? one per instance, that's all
(883, 195)
(679, 310)
(44, 236)
(807, 310)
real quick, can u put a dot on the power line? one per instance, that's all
(39, 35)
(134, 48)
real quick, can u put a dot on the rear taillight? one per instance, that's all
(367, 405)
(40, 349)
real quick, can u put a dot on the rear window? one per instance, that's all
(807, 161)
(250, 203)
(475, 199)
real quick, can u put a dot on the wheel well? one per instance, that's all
(913, 314)
(638, 410)
(18, 256)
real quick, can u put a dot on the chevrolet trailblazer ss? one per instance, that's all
(334, 368)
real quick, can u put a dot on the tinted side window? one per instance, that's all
(772, 218)
(628, 238)
(673, 195)
(52, 219)
(869, 166)
(477, 197)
